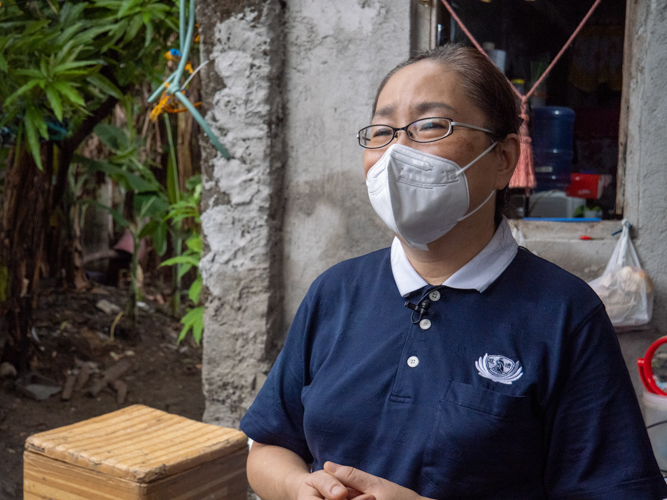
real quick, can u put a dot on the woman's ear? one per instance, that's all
(508, 150)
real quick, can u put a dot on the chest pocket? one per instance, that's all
(483, 444)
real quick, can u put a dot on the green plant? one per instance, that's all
(64, 66)
(188, 209)
(149, 199)
(59, 60)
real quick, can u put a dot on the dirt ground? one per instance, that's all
(68, 330)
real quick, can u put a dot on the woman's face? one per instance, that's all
(428, 89)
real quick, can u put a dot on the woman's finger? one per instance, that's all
(353, 494)
(351, 477)
(330, 487)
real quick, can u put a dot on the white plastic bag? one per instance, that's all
(624, 287)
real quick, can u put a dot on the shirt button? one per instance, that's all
(425, 324)
(434, 296)
(413, 361)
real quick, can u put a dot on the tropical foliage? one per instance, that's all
(66, 69)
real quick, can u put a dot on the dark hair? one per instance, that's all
(486, 87)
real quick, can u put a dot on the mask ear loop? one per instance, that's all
(476, 159)
(480, 206)
(466, 168)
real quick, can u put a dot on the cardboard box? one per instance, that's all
(136, 453)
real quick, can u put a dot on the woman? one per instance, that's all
(453, 365)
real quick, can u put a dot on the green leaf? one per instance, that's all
(31, 72)
(193, 319)
(194, 243)
(105, 85)
(33, 141)
(70, 92)
(126, 5)
(87, 36)
(117, 216)
(68, 33)
(113, 137)
(160, 239)
(21, 91)
(157, 230)
(129, 180)
(68, 53)
(149, 229)
(71, 12)
(36, 117)
(149, 32)
(76, 64)
(183, 269)
(158, 203)
(135, 25)
(195, 290)
(56, 103)
(3, 63)
(35, 26)
(138, 185)
(149, 204)
(193, 182)
(182, 259)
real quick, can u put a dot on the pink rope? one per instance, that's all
(524, 175)
(562, 51)
(553, 63)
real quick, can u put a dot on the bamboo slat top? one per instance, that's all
(137, 443)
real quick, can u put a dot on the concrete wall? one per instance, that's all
(242, 204)
(646, 156)
(321, 61)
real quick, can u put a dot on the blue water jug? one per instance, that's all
(553, 135)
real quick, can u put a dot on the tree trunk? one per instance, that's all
(75, 270)
(24, 221)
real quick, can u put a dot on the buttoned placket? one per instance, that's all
(412, 360)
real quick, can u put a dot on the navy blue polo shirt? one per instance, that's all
(517, 392)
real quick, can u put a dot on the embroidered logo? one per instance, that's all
(499, 368)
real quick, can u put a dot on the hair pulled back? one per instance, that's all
(483, 83)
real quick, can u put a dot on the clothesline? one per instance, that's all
(524, 175)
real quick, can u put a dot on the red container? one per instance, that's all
(587, 186)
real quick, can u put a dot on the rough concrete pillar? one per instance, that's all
(242, 207)
(646, 154)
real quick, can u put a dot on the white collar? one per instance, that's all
(478, 274)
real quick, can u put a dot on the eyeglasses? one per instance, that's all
(422, 130)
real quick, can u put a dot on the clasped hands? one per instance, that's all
(337, 482)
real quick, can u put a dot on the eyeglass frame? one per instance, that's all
(395, 130)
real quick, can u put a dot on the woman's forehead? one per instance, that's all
(421, 87)
(420, 107)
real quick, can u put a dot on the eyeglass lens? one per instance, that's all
(425, 130)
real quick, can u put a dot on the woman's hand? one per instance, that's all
(322, 485)
(367, 486)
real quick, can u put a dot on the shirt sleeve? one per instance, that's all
(276, 415)
(597, 443)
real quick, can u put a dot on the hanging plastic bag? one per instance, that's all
(624, 287)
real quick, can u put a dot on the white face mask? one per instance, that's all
(420, 196)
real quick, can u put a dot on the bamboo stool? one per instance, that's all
(136, 453)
